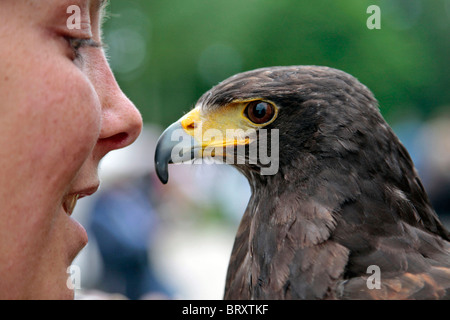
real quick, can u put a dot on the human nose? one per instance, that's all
(121, 121)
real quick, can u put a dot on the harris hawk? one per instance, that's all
(345, 197)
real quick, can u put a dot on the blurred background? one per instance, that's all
(149, 241)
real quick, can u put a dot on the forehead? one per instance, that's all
(86, 6)
(61, 10)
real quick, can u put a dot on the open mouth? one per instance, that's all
(76, 232)
(70, 202)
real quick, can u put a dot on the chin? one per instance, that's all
(61, 291)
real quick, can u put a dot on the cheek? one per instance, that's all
(60, 118)
(73, 112)
(66, 122)
(50, 126)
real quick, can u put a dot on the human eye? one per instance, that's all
(77, 44)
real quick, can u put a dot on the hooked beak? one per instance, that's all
(174, 145)
(199, 136)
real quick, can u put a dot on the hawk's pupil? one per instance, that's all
(260, 110)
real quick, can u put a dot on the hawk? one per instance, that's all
(345, 197)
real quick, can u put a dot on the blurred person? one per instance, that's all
(122, 221)
(428, 143)
(61, 112)
(434, 139)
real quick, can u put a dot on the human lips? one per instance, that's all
(70, 201)
(77, 234)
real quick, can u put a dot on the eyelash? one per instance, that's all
(77, 43)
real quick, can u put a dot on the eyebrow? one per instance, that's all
(100, 3)
(100, 6)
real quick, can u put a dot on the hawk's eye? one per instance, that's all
(259, 112)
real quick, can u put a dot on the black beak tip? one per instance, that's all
(163, 176)
(162, 170)
(163, 152)
(164, 149)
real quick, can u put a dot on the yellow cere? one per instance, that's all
(225, 126)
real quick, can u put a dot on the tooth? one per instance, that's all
(69, 204)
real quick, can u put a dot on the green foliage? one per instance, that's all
(165, 54)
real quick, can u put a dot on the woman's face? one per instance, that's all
(61, 111)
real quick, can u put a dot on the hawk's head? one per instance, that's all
(318, 112)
